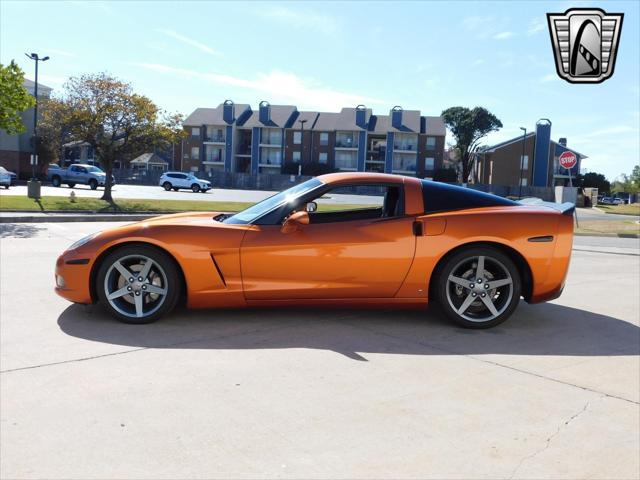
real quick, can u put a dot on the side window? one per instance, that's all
(73, 168)
(359, 202)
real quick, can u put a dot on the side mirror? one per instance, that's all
(311, 207)
(294, 222)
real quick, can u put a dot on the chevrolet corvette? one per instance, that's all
(406, 243)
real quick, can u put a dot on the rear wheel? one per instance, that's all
(195, 188)
(478, 287)
(93, 184)
(138, 284)
(55, 181)
(166, 186)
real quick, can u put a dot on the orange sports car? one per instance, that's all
(337, 239)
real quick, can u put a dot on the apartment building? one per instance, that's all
(15, 150)
(508, 163)
(282, 139)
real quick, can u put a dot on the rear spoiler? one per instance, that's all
(566, 208)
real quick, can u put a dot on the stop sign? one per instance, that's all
(568, 160)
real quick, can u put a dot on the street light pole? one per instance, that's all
(37, 59)
(524, 139)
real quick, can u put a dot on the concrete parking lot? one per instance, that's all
(552, 393)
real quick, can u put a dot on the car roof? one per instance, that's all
(183, 173)
(341, 177)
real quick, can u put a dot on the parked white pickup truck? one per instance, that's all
(77, 173)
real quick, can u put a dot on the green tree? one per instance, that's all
(635, 177)
(118, 123)
(14, 98)
(468, 127)
(595, 180)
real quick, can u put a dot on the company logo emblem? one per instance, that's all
(585, 43)
(567, 160)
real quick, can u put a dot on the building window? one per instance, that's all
(271, 136)
(195, 132)
(405, 141)
(322, 157)
(347, 139)
(214, 134)
(195, 153)
(213, 154)
(429, 163)
(523, 182)
(346, 160)
(431, 143)
(524, 162)
(296, 157)
(404, 162)
(297, 138)
(270, 156)
(324, 138)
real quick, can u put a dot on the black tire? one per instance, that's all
(93, 184)
(6, 187)
(195, 188)
(56, 181)
(71, 185)
(451, 293)
(124, 307)
(175, 189)
(166, 186)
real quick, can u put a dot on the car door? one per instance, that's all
(346, 258)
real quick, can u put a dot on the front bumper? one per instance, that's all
(73, 277)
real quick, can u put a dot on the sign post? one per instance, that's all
(568, 160)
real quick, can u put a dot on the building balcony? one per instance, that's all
(214, 139)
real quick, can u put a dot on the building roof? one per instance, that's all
(433, 126)
(529, 135)
(326, 121)
(150, 158)
(346, 119)
(281, 116)
(213, 116)
(43, 90)
(310, 119)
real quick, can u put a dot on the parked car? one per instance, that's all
(606, 201)
(77, 173)
(178, 180)
(618, 201)
(473, 253)
(5, 178)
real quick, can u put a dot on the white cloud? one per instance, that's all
(51, 80)
(277, 86)
(302, 19)
(535, 26)
(189, 41)
(503, 35)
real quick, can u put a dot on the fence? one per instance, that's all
(277, 182)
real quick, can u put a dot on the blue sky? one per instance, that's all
(325, 55)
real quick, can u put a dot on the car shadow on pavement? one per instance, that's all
(16, 230)
(545, 329)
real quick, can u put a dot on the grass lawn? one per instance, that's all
(15, 202)
(608, 227)
(633, 209)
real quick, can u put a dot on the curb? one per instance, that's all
(607, 235)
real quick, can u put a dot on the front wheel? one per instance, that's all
(55, 181)
(138, 284)
(195, 188)
(478, 287)
(166, 186)
(93, 184)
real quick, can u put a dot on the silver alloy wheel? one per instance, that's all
(479, 288)
(135, 286)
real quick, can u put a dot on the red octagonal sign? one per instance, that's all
(568, 160)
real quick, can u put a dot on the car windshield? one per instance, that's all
(91, 169)
(259, 209)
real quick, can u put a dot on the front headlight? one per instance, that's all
(83, 241)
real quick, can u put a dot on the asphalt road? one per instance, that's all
(552, 393)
